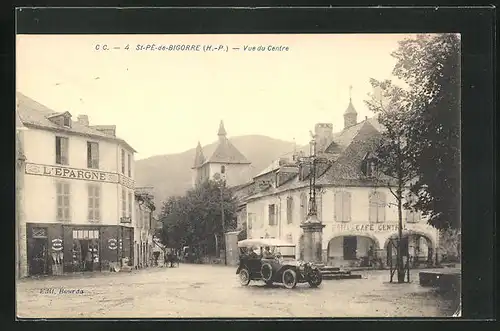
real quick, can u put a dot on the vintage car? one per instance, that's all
(273, 261)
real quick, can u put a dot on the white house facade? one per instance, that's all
(78, 193)
(353, 201)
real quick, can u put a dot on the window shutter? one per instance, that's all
(372, 209)
(346, 206)
(381, 207)
(338, 207)
(95, 155)
(64, 150)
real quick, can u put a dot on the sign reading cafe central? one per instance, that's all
(368, 227)
(71, 173)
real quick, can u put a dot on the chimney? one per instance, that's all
(83, 120)
(324, 136)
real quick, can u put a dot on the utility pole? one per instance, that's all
(223, 183)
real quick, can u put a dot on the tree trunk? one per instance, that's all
(400, 266)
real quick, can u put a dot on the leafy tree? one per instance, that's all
(394, 152)
(430, 66)
(195, 219)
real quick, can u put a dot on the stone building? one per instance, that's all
(353, 200)
(226, 162)
(77, 193)
(145, 227)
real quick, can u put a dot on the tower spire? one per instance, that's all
(222, 130)
(350, 115)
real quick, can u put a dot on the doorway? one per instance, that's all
(39, 256)
(350, 247)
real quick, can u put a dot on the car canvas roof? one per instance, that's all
(264, 242)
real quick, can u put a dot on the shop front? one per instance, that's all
(56, 248)
(372, 244)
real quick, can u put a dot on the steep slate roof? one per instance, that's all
(225, 152)
(350, 109)
(37, 115)
(355, 142)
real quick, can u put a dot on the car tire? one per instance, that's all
(267, 272)
(315, 278)
(244, 276)
(289, 278)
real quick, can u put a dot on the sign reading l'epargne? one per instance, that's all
(73, 173)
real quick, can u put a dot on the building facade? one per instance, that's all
(77, 192)
(225, 162)
(145, 227)
(353, 200)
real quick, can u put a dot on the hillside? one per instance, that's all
(171, 174)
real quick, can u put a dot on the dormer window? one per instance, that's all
(61, 119)
(67, 121)
(369, 166)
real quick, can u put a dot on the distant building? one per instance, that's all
(145, 227)
(226, 162)
(353, 200)
(77, 193)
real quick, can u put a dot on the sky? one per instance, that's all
(165, 102)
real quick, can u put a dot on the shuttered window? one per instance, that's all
(63, 201)
(92, 155)
(303, 207)
(412, 216)
(377, 206)
(289, 210)
(94, 196)
(342, 206)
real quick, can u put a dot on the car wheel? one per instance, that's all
(289, 278)
(315, 278)
(267, 272)
(244, 277)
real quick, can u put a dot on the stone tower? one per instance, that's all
(350, 115)
(226, 162)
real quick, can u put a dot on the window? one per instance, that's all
(124, 202)
(67, 121)
(272, 214)
(85, 234)
(303, 207)
(123, 161)
(92, 155)
(377, 206)
(222, 169)
(342, 206)
(129, 165)
(412, 216)
(130, 202)
(62, 150)
(289, 210)
(94, 202)
(63, 199)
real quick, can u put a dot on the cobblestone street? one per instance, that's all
(214, 291)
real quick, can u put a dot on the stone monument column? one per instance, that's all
(313, 239)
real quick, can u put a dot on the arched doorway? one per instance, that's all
(352, 249)
(418, 248)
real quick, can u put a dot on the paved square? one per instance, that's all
(214, 291)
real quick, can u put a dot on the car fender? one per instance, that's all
(241, 267)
